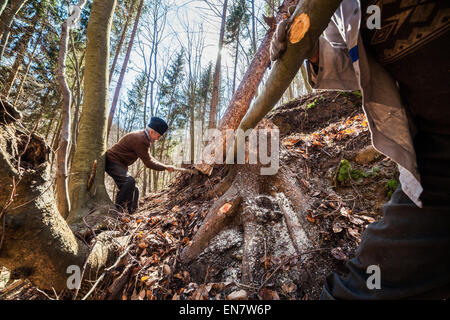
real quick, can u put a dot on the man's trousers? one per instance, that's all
(411, 247)
(128, 195)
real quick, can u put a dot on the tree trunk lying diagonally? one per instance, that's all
(37, 243)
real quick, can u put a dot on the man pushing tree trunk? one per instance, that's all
(125, 152)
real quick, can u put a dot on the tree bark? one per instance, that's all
(124, 68)
(122, 39)
(38, 244)
(3, 4)
(215, 91)
(20, 55)
(236, 56)
(247, 88)
(253, 27)
(191, 104)
(27, 69)
(76, 102)
(93, 121)
(305, 79)
(65, 136)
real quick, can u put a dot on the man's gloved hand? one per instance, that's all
(278, 44)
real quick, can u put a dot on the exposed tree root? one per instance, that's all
(216, 219)
(250, 201)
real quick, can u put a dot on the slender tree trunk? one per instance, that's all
(164, 179)
(155, 181)
(55, 141)
(93, 122)
(236, 56)
(215, 92)
(122, 39)
(18, 61)
(77, 102)
(253, 27)
(247, 88)
(291, 91)
(203, 116)
(6, 23)
(3, 4)
(144, 182)
(124, 68)
(160, 158)
(153, 172)
(192, 121)
(150, 181)
(62, 192)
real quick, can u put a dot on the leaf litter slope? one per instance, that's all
(319, 132)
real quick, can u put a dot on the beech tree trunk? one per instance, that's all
(79, 75)
(124, 68)
(27, 69)
(3, 4)
(6, 22)
(22, 47)
(38, 244)
(309, 20)
(215, 91)
(65, 136)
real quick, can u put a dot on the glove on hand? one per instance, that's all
(278, 44)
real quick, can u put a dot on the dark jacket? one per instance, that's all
(134, 145)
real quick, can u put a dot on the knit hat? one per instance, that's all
(158, 124)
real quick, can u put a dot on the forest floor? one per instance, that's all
(326, 145)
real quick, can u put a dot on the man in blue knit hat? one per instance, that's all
(125, 152)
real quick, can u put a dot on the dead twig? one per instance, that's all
(88, 255)
(286, 260)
